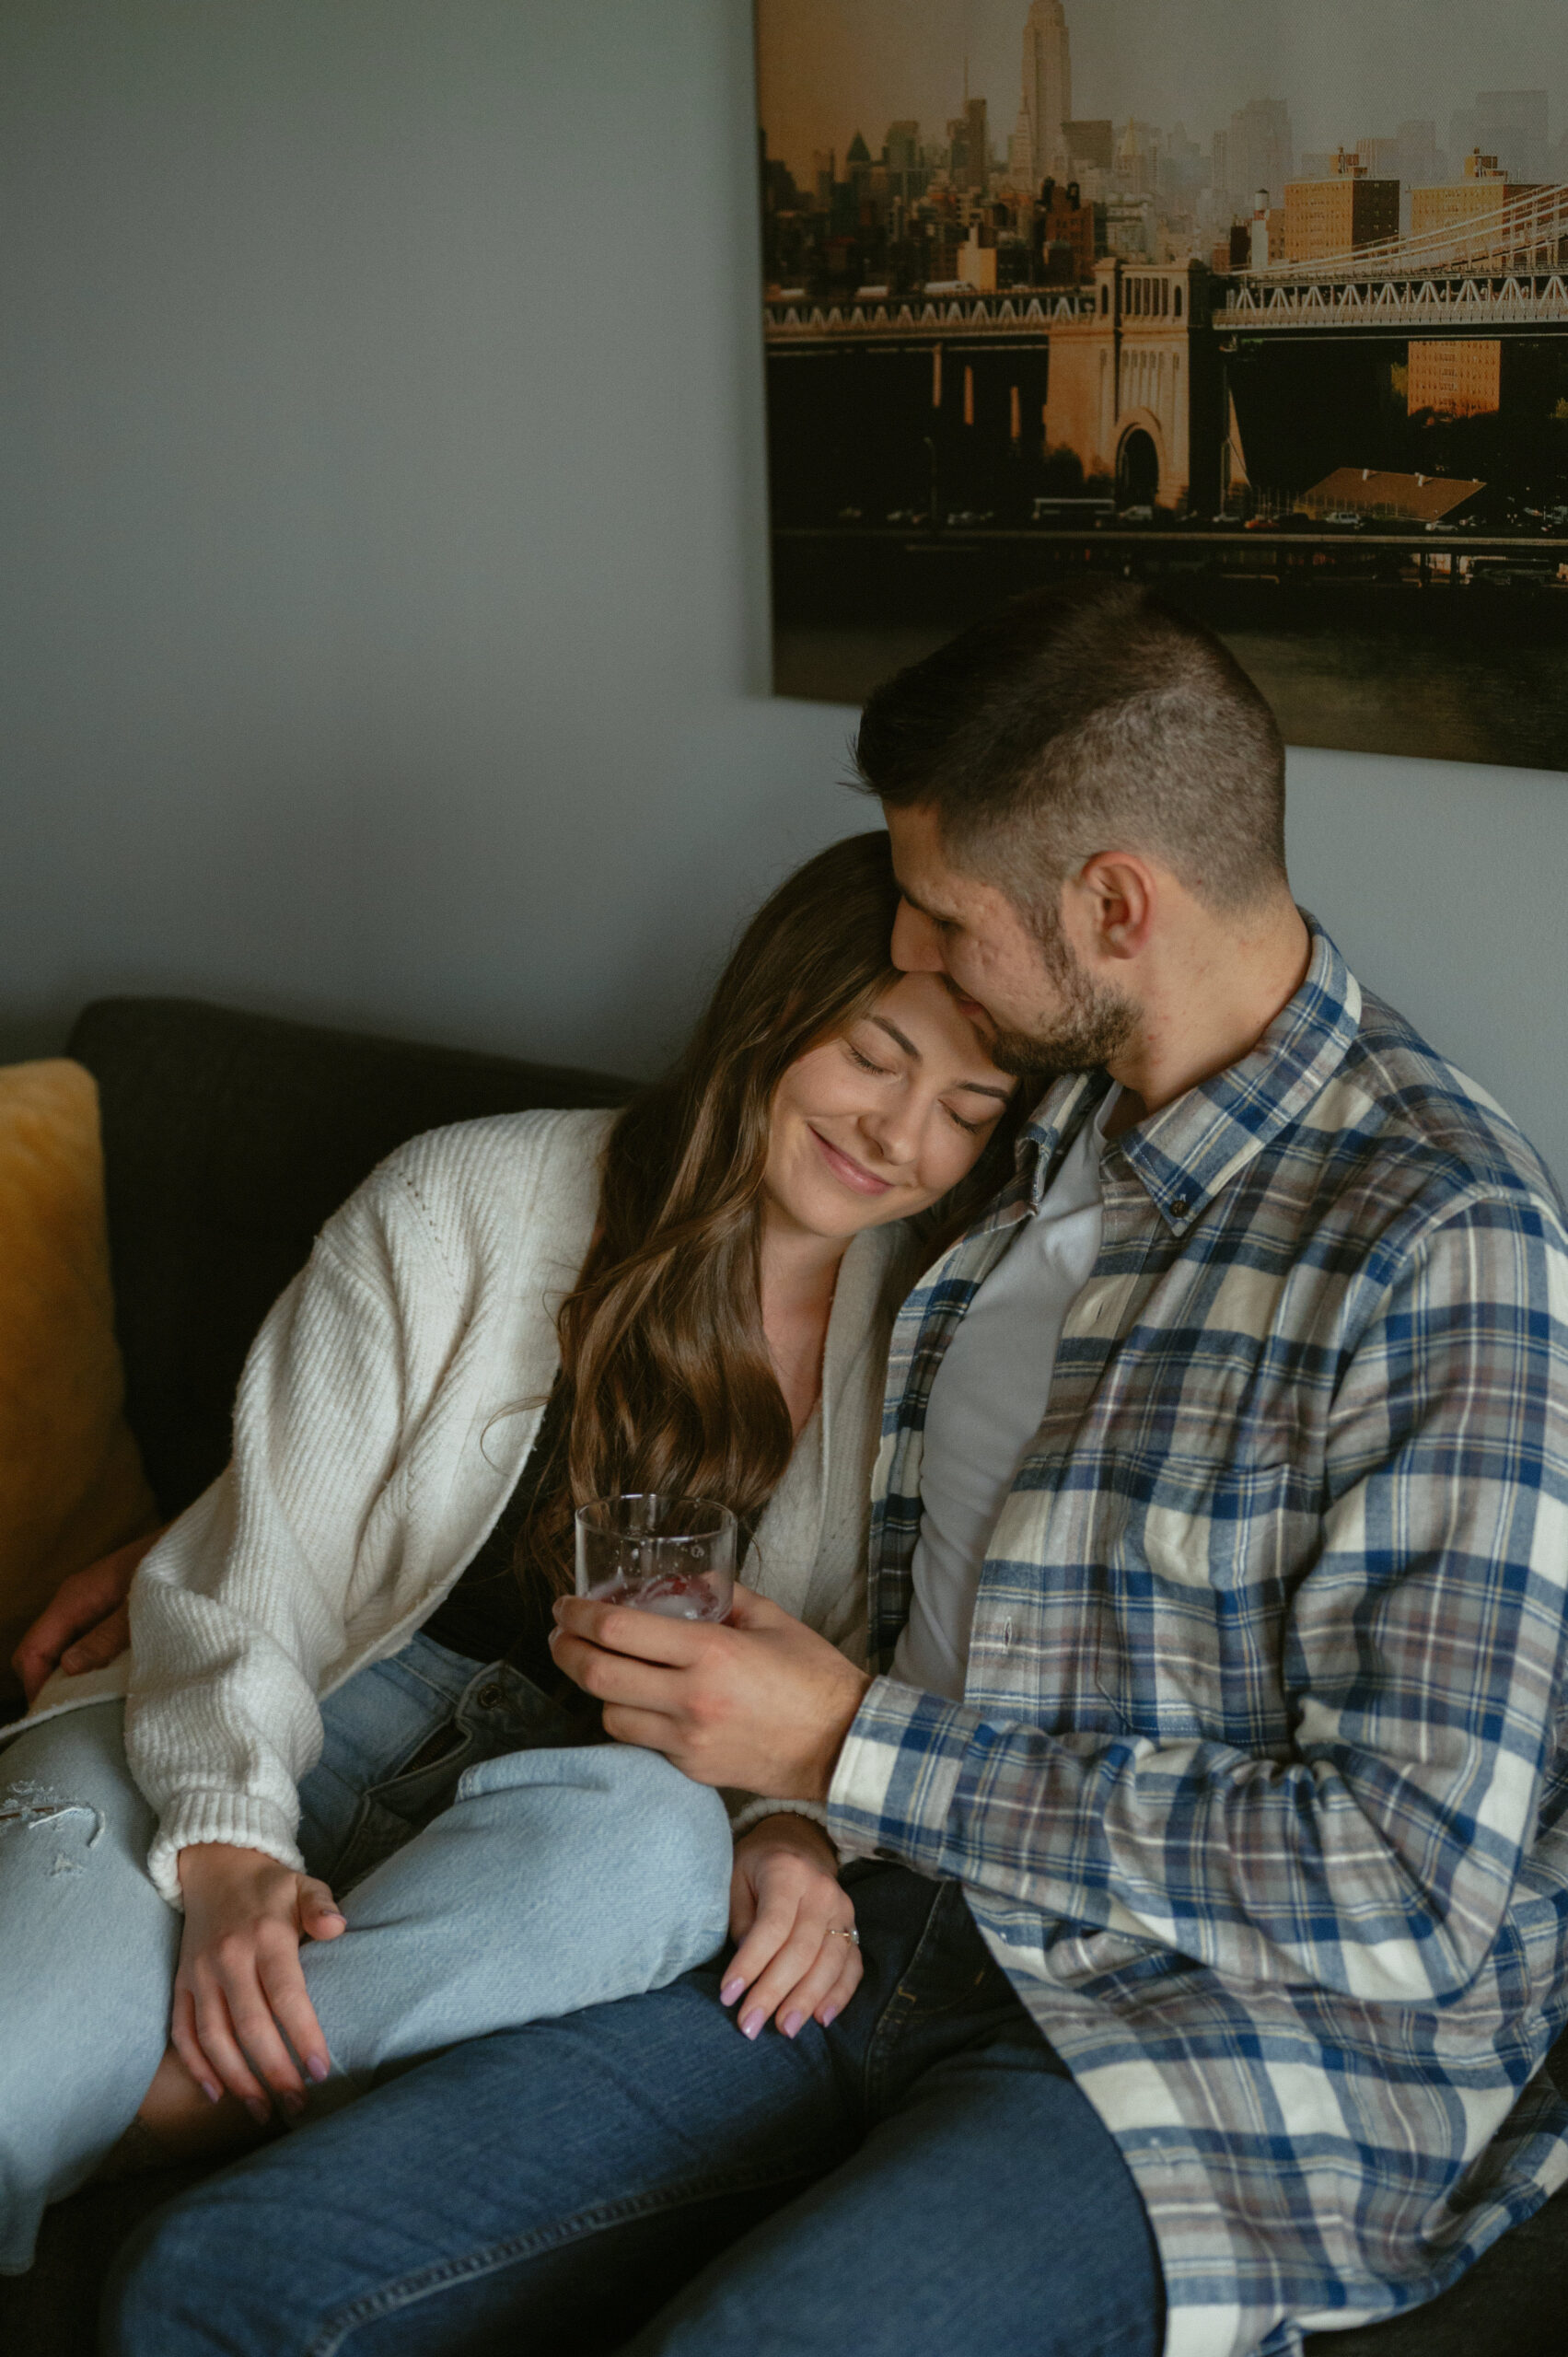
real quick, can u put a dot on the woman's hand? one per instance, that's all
(239, 1988)
(86, 1623)
(788, 1911)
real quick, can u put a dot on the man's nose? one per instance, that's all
(916, 945)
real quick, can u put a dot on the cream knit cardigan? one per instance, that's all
(383, 1418)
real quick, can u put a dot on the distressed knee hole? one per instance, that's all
(28, 1808)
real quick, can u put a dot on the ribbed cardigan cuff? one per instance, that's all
(238, 1818)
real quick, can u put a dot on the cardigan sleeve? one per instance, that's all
(240, 1608)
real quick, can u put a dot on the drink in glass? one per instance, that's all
(659, 1553)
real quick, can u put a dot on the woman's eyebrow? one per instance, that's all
(975, 1088)
(904, 1041)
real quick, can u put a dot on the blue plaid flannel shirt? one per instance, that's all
(1259, 1788)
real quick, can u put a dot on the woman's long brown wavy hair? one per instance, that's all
(665, 1368)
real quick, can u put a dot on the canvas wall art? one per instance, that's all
(1264, 302)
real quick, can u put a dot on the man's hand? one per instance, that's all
(86, 1622)
(788, 1915)
(759, 1701)
(240, 1990)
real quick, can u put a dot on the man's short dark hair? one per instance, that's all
(1082, 720)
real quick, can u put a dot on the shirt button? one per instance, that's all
(1178, 1208)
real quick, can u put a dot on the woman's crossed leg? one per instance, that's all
(552, 1877)
(88, 1951)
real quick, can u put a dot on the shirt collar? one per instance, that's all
(1192, 1147)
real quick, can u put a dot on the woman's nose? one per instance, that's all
(894, 1130)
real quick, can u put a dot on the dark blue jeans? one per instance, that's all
(921, 2176)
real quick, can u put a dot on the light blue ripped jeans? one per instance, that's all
(518, 1874)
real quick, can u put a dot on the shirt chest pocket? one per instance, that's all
(1201, 1579)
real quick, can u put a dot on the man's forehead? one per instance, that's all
(925, 874)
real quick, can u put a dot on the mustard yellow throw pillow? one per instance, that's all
(71, 1479)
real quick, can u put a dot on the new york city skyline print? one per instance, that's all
(1263, 302)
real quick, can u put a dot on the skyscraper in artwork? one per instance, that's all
(1047, 89)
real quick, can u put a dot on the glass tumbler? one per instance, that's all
(658, 1553)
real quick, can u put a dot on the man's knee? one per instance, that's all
(164, 2297)
(221, 2269)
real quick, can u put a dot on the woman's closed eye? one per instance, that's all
(885, 1071)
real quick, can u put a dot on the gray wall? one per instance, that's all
(383, 455)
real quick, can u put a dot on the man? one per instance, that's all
(1208, 1804)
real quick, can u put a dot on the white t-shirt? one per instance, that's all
(987, 1403)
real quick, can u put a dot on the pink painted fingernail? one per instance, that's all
(214, 2095)
(293, 2102)
(791, 2024)
(830, 2016)
(260, 2112)
(751, 2024)
(730, 1992)
(317, 2066)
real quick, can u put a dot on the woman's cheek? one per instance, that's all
(962, 1156)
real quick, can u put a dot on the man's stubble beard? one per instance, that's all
(1092, 1023)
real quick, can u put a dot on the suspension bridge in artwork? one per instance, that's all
(1505, 265)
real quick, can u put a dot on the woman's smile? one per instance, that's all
(845, 1168)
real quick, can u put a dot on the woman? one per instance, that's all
(347, 1637)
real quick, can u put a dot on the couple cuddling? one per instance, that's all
(1138, 1922)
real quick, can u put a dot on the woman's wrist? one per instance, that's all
(196, 1818)
(208, 1862)
(757, 1812)
(795, 1830)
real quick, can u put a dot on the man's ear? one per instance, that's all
(1119, 893)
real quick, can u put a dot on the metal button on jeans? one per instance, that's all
(490, 1698)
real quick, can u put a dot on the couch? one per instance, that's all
(227, 1140)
